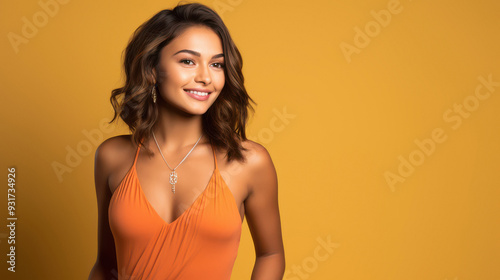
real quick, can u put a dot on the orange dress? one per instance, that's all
(202, 243)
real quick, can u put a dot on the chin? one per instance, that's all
(196, 111)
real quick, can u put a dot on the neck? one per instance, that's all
(176, 130)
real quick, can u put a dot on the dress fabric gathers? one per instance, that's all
(202, 243)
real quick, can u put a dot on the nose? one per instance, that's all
(203, 75)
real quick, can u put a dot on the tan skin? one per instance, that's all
(253, 182)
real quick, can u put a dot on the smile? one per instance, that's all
(199, 93)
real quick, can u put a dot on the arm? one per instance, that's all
(105, 265)
(262, 211)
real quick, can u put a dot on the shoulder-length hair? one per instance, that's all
(224, 122)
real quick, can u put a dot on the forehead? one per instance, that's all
(197, 38)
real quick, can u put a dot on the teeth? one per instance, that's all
(198, 92)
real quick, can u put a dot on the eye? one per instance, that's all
(219, 65)
(186, 60)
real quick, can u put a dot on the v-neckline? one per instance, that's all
(185, 211)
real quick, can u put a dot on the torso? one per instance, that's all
(193, 175)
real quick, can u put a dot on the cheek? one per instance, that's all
(176, 77)
(220, 81)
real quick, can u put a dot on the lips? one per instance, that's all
(198, 89)
(196, 96)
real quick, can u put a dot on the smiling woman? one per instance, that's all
(184, 94)
(176, 70)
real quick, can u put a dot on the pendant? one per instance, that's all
(173, 180)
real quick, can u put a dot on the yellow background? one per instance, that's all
(351, 118)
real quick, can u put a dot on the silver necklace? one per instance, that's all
(173, 174)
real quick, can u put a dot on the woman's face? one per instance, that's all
(191, 66)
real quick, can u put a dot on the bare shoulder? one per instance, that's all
(259, 165)
(114, 150)
(113, 154)
(256, 155)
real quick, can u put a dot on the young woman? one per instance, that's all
(172, 196)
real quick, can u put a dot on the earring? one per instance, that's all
(153, 92)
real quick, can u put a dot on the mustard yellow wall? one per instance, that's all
(381, 118)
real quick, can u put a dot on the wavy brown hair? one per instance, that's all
(224, 122)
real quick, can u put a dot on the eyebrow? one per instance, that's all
(197, 53)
